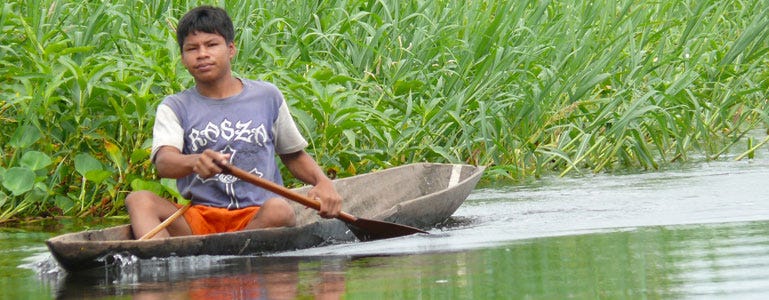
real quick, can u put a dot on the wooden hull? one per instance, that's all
(419, 195)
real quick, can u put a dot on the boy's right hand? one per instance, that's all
(205, 166)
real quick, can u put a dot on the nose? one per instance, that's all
(203, 52)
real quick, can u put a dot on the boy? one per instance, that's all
(230, 120)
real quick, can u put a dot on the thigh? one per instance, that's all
(178, 226)
(148, 205)
(275, 212)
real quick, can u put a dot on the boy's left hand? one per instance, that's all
(330, 200)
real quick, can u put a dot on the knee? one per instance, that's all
(138, 199)
(280, 211)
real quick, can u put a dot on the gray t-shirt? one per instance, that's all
(253, 126)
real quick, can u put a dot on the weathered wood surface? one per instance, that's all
(419, 195)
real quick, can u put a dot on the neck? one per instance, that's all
(226, 87)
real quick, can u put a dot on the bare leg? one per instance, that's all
(147, 210)
(275, 212)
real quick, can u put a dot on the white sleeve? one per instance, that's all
(288, 139)
(167, 130)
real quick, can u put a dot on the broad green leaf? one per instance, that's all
(164, 186)
(35, 160)
(97, 176)
(40, 190)
(63, 202)
(147, 185)
(19, 180)
(170, 187)
(84, 163)
(139, 155)
(24, 137)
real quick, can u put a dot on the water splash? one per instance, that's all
(42, 263)
(123, 260)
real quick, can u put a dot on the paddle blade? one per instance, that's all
(369, 230)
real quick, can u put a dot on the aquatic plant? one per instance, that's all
(528, 88)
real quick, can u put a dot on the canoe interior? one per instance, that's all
(419, 195)
(380, 194)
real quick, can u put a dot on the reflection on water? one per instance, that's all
(729, 260)
(701, 232)
(719, 261)
(212, 277)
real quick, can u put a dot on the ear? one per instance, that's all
(232, 49)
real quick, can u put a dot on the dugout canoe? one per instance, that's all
(421, 195)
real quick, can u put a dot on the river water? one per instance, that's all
(699, 232)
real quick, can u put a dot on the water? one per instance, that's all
(700, 232)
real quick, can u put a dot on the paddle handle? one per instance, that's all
(165, 223)
(280, 190)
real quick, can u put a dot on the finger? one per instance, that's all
(204, 167)
(211, 161)
(199, 169)
(337, 207)
(333, 206)
(328, 210)
(323, 211)
(223, 159)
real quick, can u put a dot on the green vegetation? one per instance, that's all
(528, 88)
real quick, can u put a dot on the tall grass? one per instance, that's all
(528, 88)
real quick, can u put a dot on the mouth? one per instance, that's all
(204, 67)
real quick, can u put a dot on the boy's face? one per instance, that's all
(207, 56)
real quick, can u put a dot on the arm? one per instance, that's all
(304, 168)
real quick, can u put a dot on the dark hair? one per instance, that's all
(206, 19)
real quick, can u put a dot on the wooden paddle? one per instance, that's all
(165, 223)
(364, 229)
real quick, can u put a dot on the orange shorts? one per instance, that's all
(206, 219)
